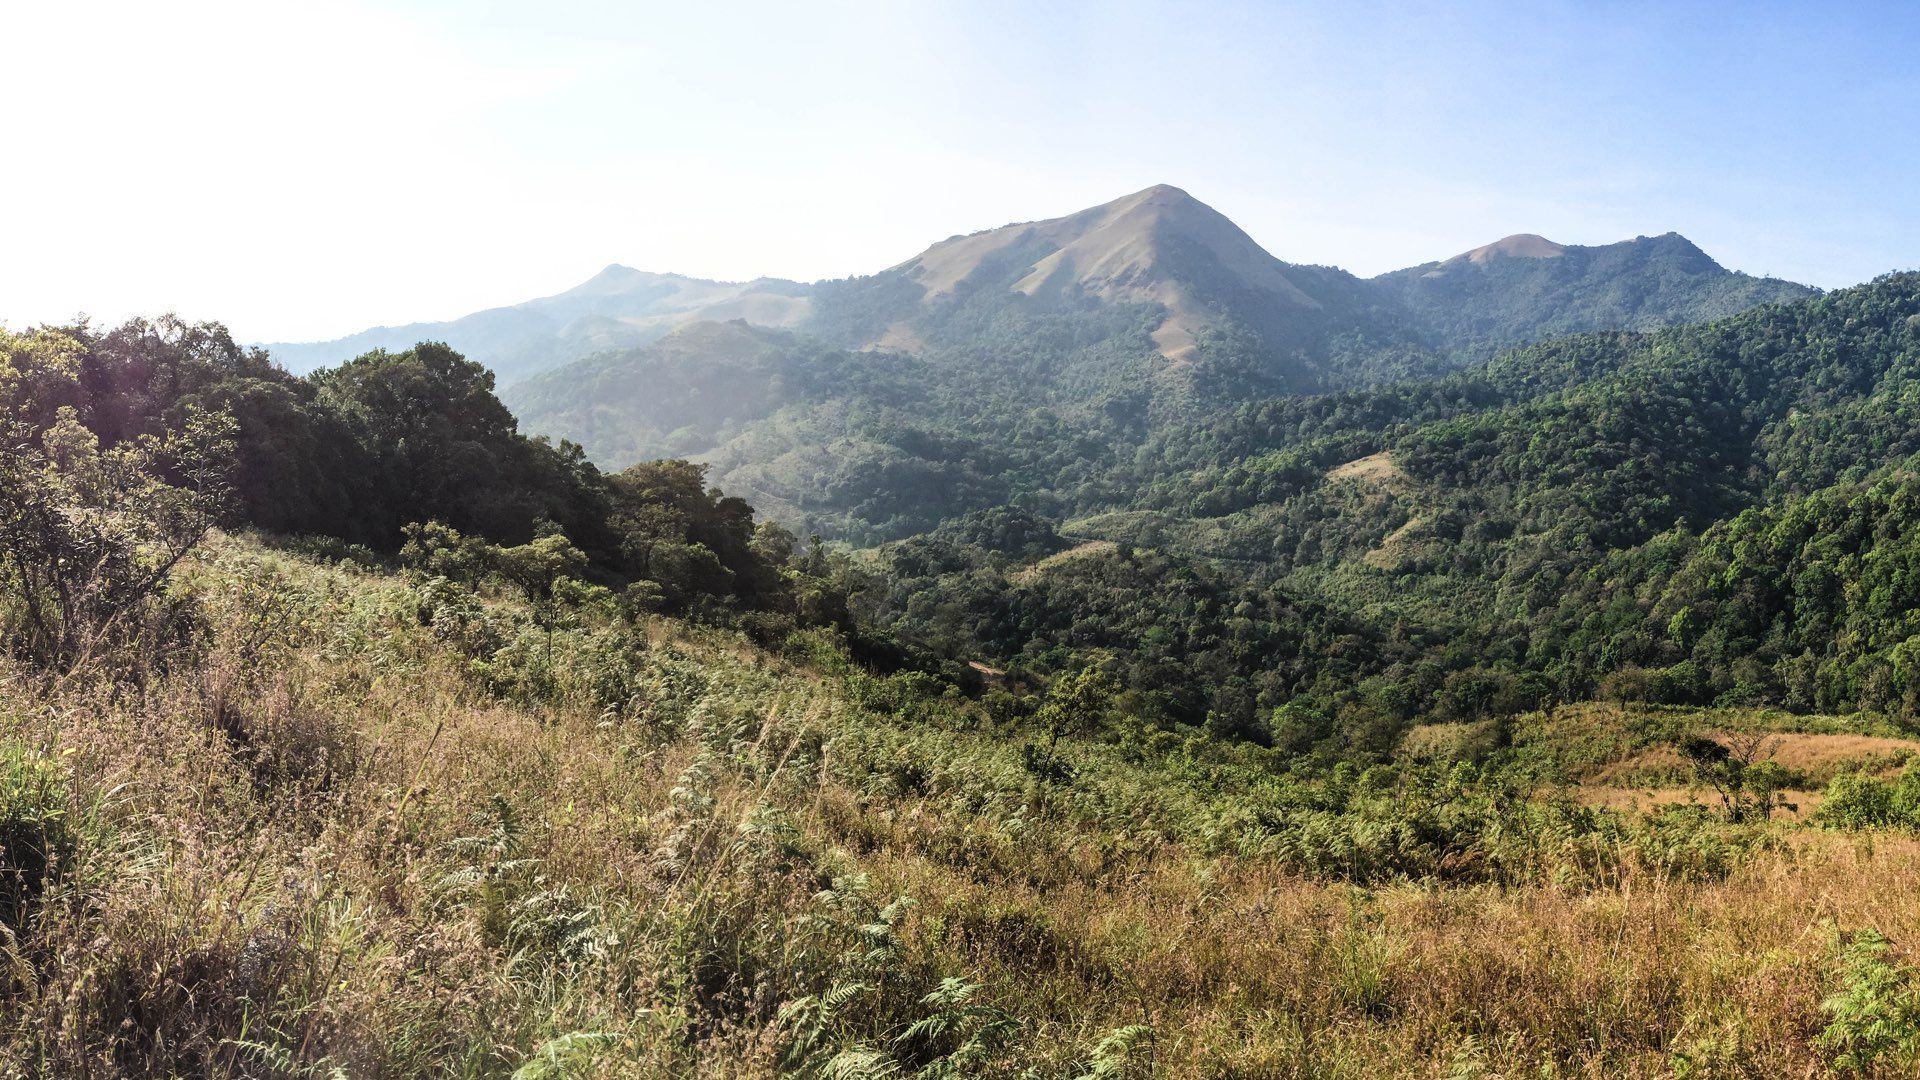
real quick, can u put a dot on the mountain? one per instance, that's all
(1043, 359)
(1160, 248)
(1154, 286)
(1525, 288)
(1157, 276)
(679, 396)
(1542, 651)
(617, 308)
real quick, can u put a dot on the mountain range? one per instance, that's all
(1024, 361)
(1157, 251)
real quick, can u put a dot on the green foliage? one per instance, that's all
(91, 536)
(1485, 307)
(566, 1056)
(1077, 704)
(1856, 800)
(1875, 1014)
(1121, 1054)
(37, 839)
(1737, 770)
(368, 454)
(1641, 517)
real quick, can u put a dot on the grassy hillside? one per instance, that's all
(362, 826)
(526, 770)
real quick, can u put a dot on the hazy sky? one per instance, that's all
(301, 170)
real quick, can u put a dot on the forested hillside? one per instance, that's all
(1526, 288)
(1042, 362)
(346, 731)
(1560, 523)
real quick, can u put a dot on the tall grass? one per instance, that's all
(376, 829)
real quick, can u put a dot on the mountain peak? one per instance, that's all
(1517, 246)
(613, 280)
(1139, 248)
(1677, 244)
(1159, 193)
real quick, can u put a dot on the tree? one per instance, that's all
(90, 536)
(444, 448)
(1076, 704)
(536, 568)
(670, 528)
(1738, 771)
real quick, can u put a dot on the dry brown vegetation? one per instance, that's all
(1078, 551)
(335, 843)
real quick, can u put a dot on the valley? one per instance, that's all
(1092, 648)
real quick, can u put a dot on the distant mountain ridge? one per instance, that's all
(1160, 251)
(1121, 251)
(618, 308)
(1525, 288)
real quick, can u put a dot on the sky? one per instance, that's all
(302, 170)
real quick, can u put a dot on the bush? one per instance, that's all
(93, 534)
(36, 839)
(1858, 801)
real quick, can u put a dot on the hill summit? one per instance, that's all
(1137, 249)
(1517, 246)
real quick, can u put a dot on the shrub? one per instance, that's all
(92, 535)
(36, 838)
(1859, 801)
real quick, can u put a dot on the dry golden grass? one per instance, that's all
(288, 871)
(1377, 468)
(1029, 574)
(1797, 804)
(1817, 756)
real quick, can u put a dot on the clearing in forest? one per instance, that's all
(1030, 574)
(1377, 468)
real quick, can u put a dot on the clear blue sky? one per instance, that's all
(302, 169)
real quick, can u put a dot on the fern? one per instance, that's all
(979, 1030)
(861, 1063)
(811, 1021)
(1876, 1013)
(1118, 1055)
(283, 1061)
(565, 1055)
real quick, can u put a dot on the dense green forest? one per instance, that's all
(1559, 523)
